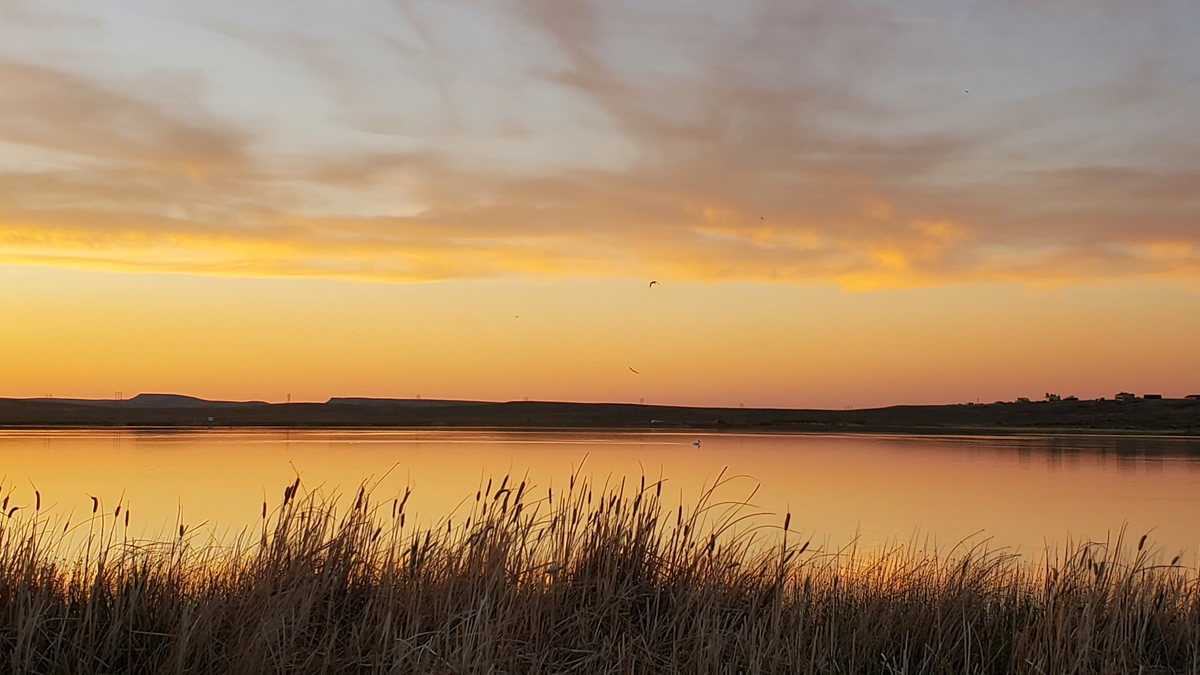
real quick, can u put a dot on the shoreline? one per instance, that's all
(1152, 418)
(916, 432)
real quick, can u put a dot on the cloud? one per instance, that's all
(771, 141)
(52, 110)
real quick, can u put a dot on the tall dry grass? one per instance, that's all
(579, 581)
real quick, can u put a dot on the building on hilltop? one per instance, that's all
(1153, 397)
(1053, 397)
(1125, 396)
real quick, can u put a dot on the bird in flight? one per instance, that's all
(697, 444)
(634, 371)
(652, 284)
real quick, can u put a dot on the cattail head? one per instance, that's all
(95, 505)
(37, 496)
(787, 521)
(1141, 542)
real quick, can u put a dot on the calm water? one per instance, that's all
(1023, 492)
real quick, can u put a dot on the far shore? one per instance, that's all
(1174, 417)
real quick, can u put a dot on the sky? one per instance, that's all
(845, 204)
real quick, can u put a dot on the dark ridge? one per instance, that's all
(182, 401)
(1169, 416)
(401, 402)
(143, 401)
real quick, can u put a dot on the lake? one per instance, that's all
(1024, 492)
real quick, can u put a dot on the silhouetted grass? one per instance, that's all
(569, 582)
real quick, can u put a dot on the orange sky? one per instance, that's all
(845, 203)
(86, 333)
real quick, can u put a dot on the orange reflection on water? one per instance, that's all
(1023, 492)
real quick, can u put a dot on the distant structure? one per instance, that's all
(1153, 397)
(1022, 399)
(1125, 396)
(1053, 397)
(1194, 397)
(1071, 398)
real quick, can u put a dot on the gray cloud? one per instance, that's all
(781, 141)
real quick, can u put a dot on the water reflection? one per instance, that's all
(1023, 492)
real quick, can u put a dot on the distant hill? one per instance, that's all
(401, 402)
(181, 401)
(1172, 416)
(97, 402)
(145, 401)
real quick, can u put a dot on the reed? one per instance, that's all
(583, 580)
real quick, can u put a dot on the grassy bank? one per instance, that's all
(582, 581)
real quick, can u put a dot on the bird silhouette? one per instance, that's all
(634, 371)
(652, 284)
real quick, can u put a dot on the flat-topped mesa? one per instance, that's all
(181, 401)
(400, 402)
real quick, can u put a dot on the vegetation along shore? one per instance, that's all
(579, 580)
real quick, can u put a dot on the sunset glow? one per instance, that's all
(844, 204)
